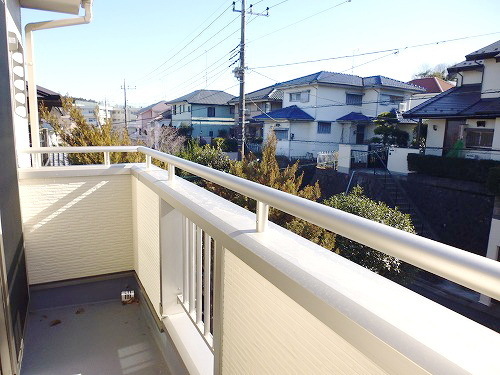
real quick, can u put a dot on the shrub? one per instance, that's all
(493, 181)
(455, 168)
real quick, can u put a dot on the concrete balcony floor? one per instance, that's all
(91, 339)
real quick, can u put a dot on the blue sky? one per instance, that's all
(130, 38)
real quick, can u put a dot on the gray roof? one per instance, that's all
(466, 65)
(492, 50)
(351, 80)
(142, 110)
(269, 93)
(204, 97)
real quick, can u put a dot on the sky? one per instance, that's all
(165, 49)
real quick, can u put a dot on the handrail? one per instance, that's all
(470, 270)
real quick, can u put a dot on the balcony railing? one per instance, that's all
(246, 284)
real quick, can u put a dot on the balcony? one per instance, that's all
(222, 290)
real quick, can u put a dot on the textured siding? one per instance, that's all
(266, 332)
(147, 241)
(77, 226)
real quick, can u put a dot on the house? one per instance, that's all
(118, 117)
(329, 108)
(144, 117)
(432, 85)
(206, 112)
(257, 102)
(469, 112)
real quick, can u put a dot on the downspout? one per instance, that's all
(32, 96)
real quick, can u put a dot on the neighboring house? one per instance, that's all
(154, 127)
(432, 85)
(144, 117)
(90, 110)
(207, 112)
(470, 111)
(118, 117)
(257, 102)
(330, 108)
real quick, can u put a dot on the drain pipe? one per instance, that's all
(32, 96)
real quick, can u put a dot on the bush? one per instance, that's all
(455, 168)
(493, 181)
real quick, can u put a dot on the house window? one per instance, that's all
(211, 133)
(479, 138)
(353, 99)
(231, 110)
(395, 99)
(189, 108)
(267, 107)
(300, 96)
(175, 109)
(324, 127)
(211, 112)
(281, 134)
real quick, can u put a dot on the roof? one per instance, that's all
(288, 113)
(460, 102)
(142, 110)
(204, 97)
(354, 116)
(492, 50)
(266, 93)
(432, 84)
(351, 80)
(466, 65)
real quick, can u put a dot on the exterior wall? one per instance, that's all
(77, 226)
(397, 160)
(284, 339)
(491, 80)
(435, 138)
(146, 206)
(88, 109)
(469, 77)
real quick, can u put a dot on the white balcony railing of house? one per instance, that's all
(239, 294)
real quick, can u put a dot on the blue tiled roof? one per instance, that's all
(354, 116)
(464, 101)
(288, 113)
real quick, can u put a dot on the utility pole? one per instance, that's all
(125, 88)
(240, 74)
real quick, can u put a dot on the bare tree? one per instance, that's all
(166, 139)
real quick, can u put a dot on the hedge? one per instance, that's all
(493, 181)
(456, 168)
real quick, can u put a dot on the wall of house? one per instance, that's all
(491, 80)
(469, 77)
(435, 138)
(77, 226)
(221, 111)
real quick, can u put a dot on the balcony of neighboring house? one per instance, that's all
(219, 289)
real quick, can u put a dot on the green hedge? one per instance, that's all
(456, 168)
(493, 181)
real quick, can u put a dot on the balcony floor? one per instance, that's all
(91, 339)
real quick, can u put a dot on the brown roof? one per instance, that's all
(432, 84)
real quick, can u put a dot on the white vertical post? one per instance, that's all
(262, 215)
(171, 172)
(218, 303)
(107, 160)
(192, 264)
(207, 254)
(185, 262)
(148, 162)
(199, 281)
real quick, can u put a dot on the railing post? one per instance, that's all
(262, 215)
(37, 163)
(148, 162)
(171, 172)
(107, 160)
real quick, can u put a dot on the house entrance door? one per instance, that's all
(452, 133)
(360, 134)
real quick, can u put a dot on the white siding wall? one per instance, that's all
(435, 138)
(266, 332)
(77, 226)
(470, 77)
(147, 240)
(491, 80)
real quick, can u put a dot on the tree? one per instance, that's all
(80, 133)
(166, 139)
(358, 204)
(438, 71)
(387, 126)
(207, 155)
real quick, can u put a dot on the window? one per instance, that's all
(301, 96)
(267, 107)
(353, 99)
(324, 127)
(175, 109)
(211, 133)
(231, 110)
(479, 138)
(395, 99)
(281, 134)
(211, 112)
(189, 108)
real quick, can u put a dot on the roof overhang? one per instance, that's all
(60, 6)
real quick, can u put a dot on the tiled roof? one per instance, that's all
(350, 80)
(432, 84)
(204, 97)
(466, 65)
(489, 51)
(267, 93)
(288, 113)
(354, 116)
(463, 101)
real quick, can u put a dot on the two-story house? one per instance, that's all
(206, 112)
(256, 103)
(137, 129)
(469, 112)
(324, 109)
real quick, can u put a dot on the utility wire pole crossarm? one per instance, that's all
(240, 75)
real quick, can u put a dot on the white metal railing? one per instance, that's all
(470, 270)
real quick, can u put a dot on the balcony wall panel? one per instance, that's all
(77, 226)
(266, 332)
(147, 240)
